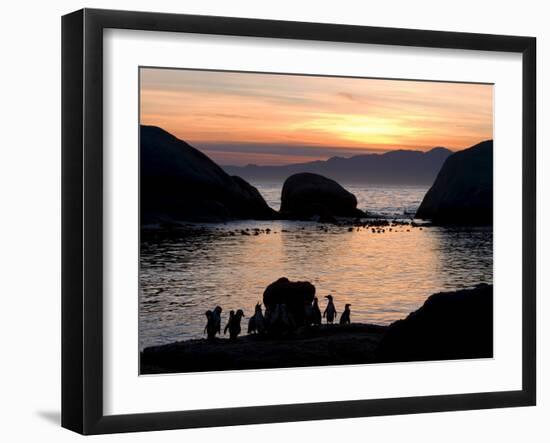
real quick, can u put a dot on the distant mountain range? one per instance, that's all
(394, 167)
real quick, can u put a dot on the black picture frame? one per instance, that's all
(82, 220)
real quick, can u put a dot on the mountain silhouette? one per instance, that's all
(394, 167)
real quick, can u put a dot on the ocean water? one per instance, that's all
(384, 276)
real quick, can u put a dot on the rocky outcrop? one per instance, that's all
(450, 325)
(180, 183)
(308, 195)
(293, 296)
(462, 193)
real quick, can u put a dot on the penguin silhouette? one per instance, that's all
(345, 317)
(234, 325)
(256, 324)
(210, 328)
(217, 318)
(316, 313)
(330, 311)
(231, 317)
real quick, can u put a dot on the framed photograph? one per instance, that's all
(268, 221)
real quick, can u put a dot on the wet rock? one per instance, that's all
(306, 196)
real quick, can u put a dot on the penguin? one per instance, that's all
(235, 325)
(217, 318)
(252, 325)
(231, 317)
(261, 325)
(345, 317)
(316, 313)
(256, 324)
(209, 329)
(330, 311)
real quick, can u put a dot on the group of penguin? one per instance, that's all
(258, 323)
(214, 321)
(313, 313)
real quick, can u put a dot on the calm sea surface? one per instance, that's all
(384, 276)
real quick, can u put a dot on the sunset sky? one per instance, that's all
(265, 119)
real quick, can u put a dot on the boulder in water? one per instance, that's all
(306, 195)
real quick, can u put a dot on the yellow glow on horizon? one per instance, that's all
(357, 129)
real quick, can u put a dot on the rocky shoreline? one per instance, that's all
(333, 344)
(450, 325)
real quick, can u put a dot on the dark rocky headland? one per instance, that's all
(180, 183)
(450, 325)
(462, 193)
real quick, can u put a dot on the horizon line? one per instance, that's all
(348, 158)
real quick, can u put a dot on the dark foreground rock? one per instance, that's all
(462, 193)
(294, 295)
(180, 183)
(450, 325)
(308, 195)
(334, 345)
